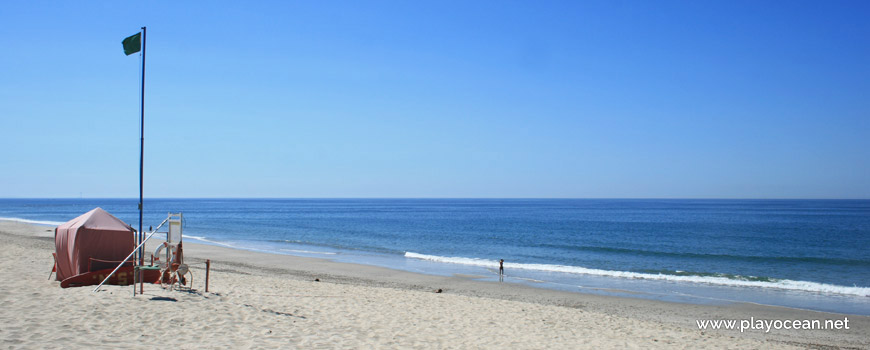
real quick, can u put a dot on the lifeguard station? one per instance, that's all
(169, 256)
(167, 260)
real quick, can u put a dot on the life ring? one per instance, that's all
(171, 250)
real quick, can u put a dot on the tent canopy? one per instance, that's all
(93, 235)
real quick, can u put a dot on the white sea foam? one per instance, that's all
(36, 222)
(203, 239)
(199, 238)
(806, 286)
(307, 251)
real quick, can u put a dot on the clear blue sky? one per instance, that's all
(662, 99)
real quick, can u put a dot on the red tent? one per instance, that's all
(95, 240)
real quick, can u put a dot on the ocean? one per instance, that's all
(808, 254)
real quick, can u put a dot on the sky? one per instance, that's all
(491, 99)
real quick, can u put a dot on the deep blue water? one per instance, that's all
(799, 253)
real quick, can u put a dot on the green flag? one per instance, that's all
(132, 44)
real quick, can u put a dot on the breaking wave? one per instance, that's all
(203, 239)
(307, 251)
(715, 279)
(36, 222)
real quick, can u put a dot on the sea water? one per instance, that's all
(810, 254)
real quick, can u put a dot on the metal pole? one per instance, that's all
(130, 256)
(141, 159)
(122, 264)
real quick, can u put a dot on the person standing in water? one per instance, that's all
(501, 270)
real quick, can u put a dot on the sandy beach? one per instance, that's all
(259, 300)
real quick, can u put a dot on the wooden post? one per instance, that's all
(207, 268)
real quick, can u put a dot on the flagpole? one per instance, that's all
(142, 148)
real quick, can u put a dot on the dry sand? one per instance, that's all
(259, 300)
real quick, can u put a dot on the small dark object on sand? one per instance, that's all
(439, 290)
(316, 280)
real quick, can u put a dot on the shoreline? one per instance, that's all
(637, 321)
(476, 273)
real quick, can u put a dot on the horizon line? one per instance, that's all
(527, 198)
